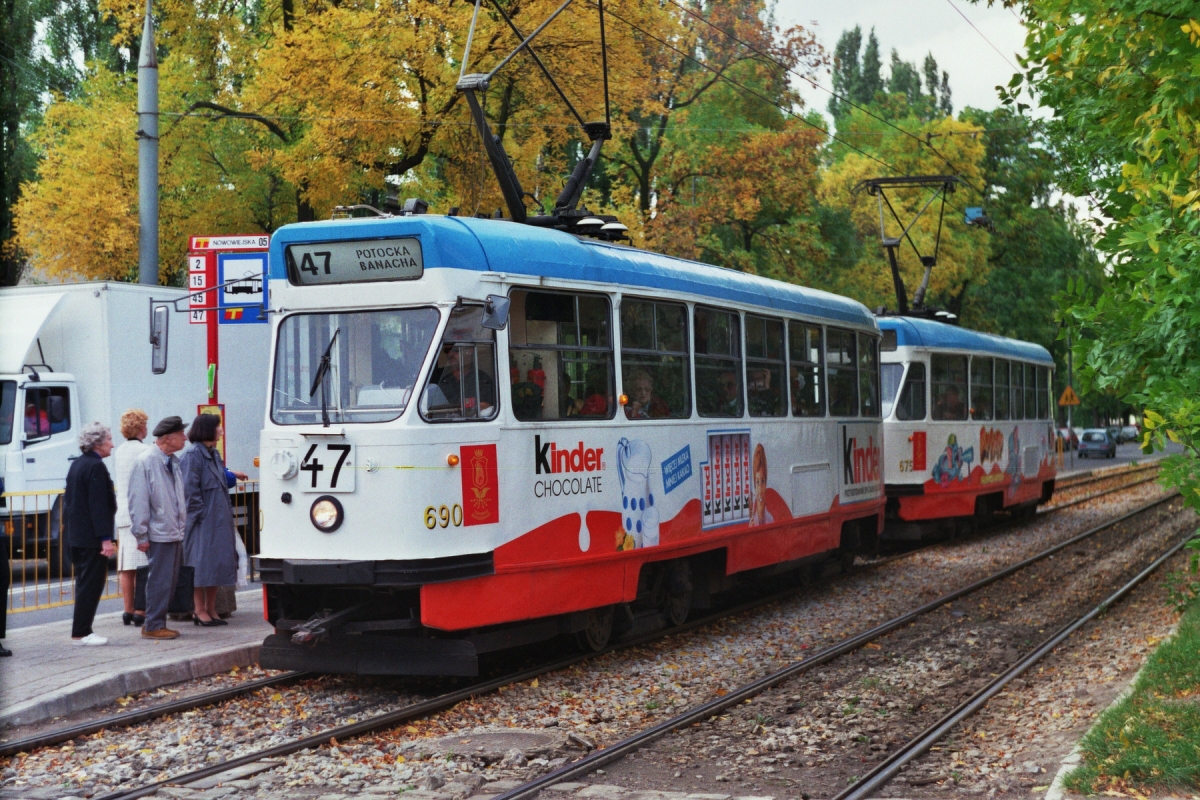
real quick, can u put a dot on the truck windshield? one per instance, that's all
(373, 364)
(8, 403)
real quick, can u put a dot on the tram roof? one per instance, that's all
(501, 246)
(916, 332)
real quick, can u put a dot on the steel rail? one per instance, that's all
(1100, 474)
(127, 718)
(1094, 495)
(441, 702)
(618, 750)
(449, 699)
(920, 744)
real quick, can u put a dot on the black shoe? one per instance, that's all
(219, 621)
(139, 619)
(4, 651)
(133, 618)
(212, 623)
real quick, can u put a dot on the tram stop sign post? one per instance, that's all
(227, 276)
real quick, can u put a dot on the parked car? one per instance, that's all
(1097, 441)
(1070, 439)
(1114, 432)
(1130, 433)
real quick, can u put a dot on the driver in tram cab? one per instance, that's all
(643, 402)
(451, 382)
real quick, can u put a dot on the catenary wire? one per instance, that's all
(733, 37)
(986, 39)
(744, 88)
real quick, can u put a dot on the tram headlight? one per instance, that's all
(326, 513)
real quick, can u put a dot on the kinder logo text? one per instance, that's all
(860, 461)
(552, 458)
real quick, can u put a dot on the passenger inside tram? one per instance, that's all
(643, 402)
(948, 403)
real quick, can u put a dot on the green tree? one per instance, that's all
(20, 81)
(1120, 77)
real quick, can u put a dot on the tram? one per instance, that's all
(968, 427)
(483, 434)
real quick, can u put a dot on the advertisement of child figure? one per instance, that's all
(758, 500)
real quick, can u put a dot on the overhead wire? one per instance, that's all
(722, 76)
(807, 79)
(986, 39)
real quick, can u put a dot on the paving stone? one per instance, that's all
(235, 774)
(505, 785)
(215, 793)
(603, 791)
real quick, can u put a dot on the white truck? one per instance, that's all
(77, 353)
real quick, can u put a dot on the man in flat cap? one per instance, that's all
(158, 514)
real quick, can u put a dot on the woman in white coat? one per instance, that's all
(129, 558)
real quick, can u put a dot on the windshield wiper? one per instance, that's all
(319, 378)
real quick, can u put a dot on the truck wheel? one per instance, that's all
(597, 631)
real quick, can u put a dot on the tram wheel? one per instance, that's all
(678, 603)
(597, 632)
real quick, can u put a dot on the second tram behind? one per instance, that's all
(483, 434)
(968, 422)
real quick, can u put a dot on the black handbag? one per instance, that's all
(182, 601)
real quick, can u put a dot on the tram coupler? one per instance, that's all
(323, 623)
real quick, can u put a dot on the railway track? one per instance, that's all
(1099, 475)
(441, 702)
(920, 744)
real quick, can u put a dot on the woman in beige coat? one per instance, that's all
(129, 558)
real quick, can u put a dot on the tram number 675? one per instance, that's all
(443, 516)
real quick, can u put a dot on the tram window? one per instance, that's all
(1016, 390)
(560, 356)
(1001, 395)
(981, 388)
(373, 365)
(654, 360)
(841, 364)
(868, 375)
(807, 357)
(1043, 384)
(718, 363)
(949, 386)
(1031, 392)
(765, 367)
(462, 384)
(912, 398)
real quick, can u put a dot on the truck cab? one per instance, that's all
(39, 429)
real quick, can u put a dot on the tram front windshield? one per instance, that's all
(373, 365)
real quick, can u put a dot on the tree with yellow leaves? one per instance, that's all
(905, 149)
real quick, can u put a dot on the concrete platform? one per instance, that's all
(47, 676)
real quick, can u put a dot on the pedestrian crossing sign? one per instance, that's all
(1069, 398)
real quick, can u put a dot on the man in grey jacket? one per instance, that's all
(158, 514)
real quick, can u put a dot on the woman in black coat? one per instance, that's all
(209, 547)
(91, 511)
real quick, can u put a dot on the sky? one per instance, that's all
(917, 27)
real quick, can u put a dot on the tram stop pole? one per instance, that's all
(147, 136)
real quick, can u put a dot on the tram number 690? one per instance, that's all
(443, 516)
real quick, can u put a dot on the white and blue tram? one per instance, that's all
(968, 424)
(483, 433)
